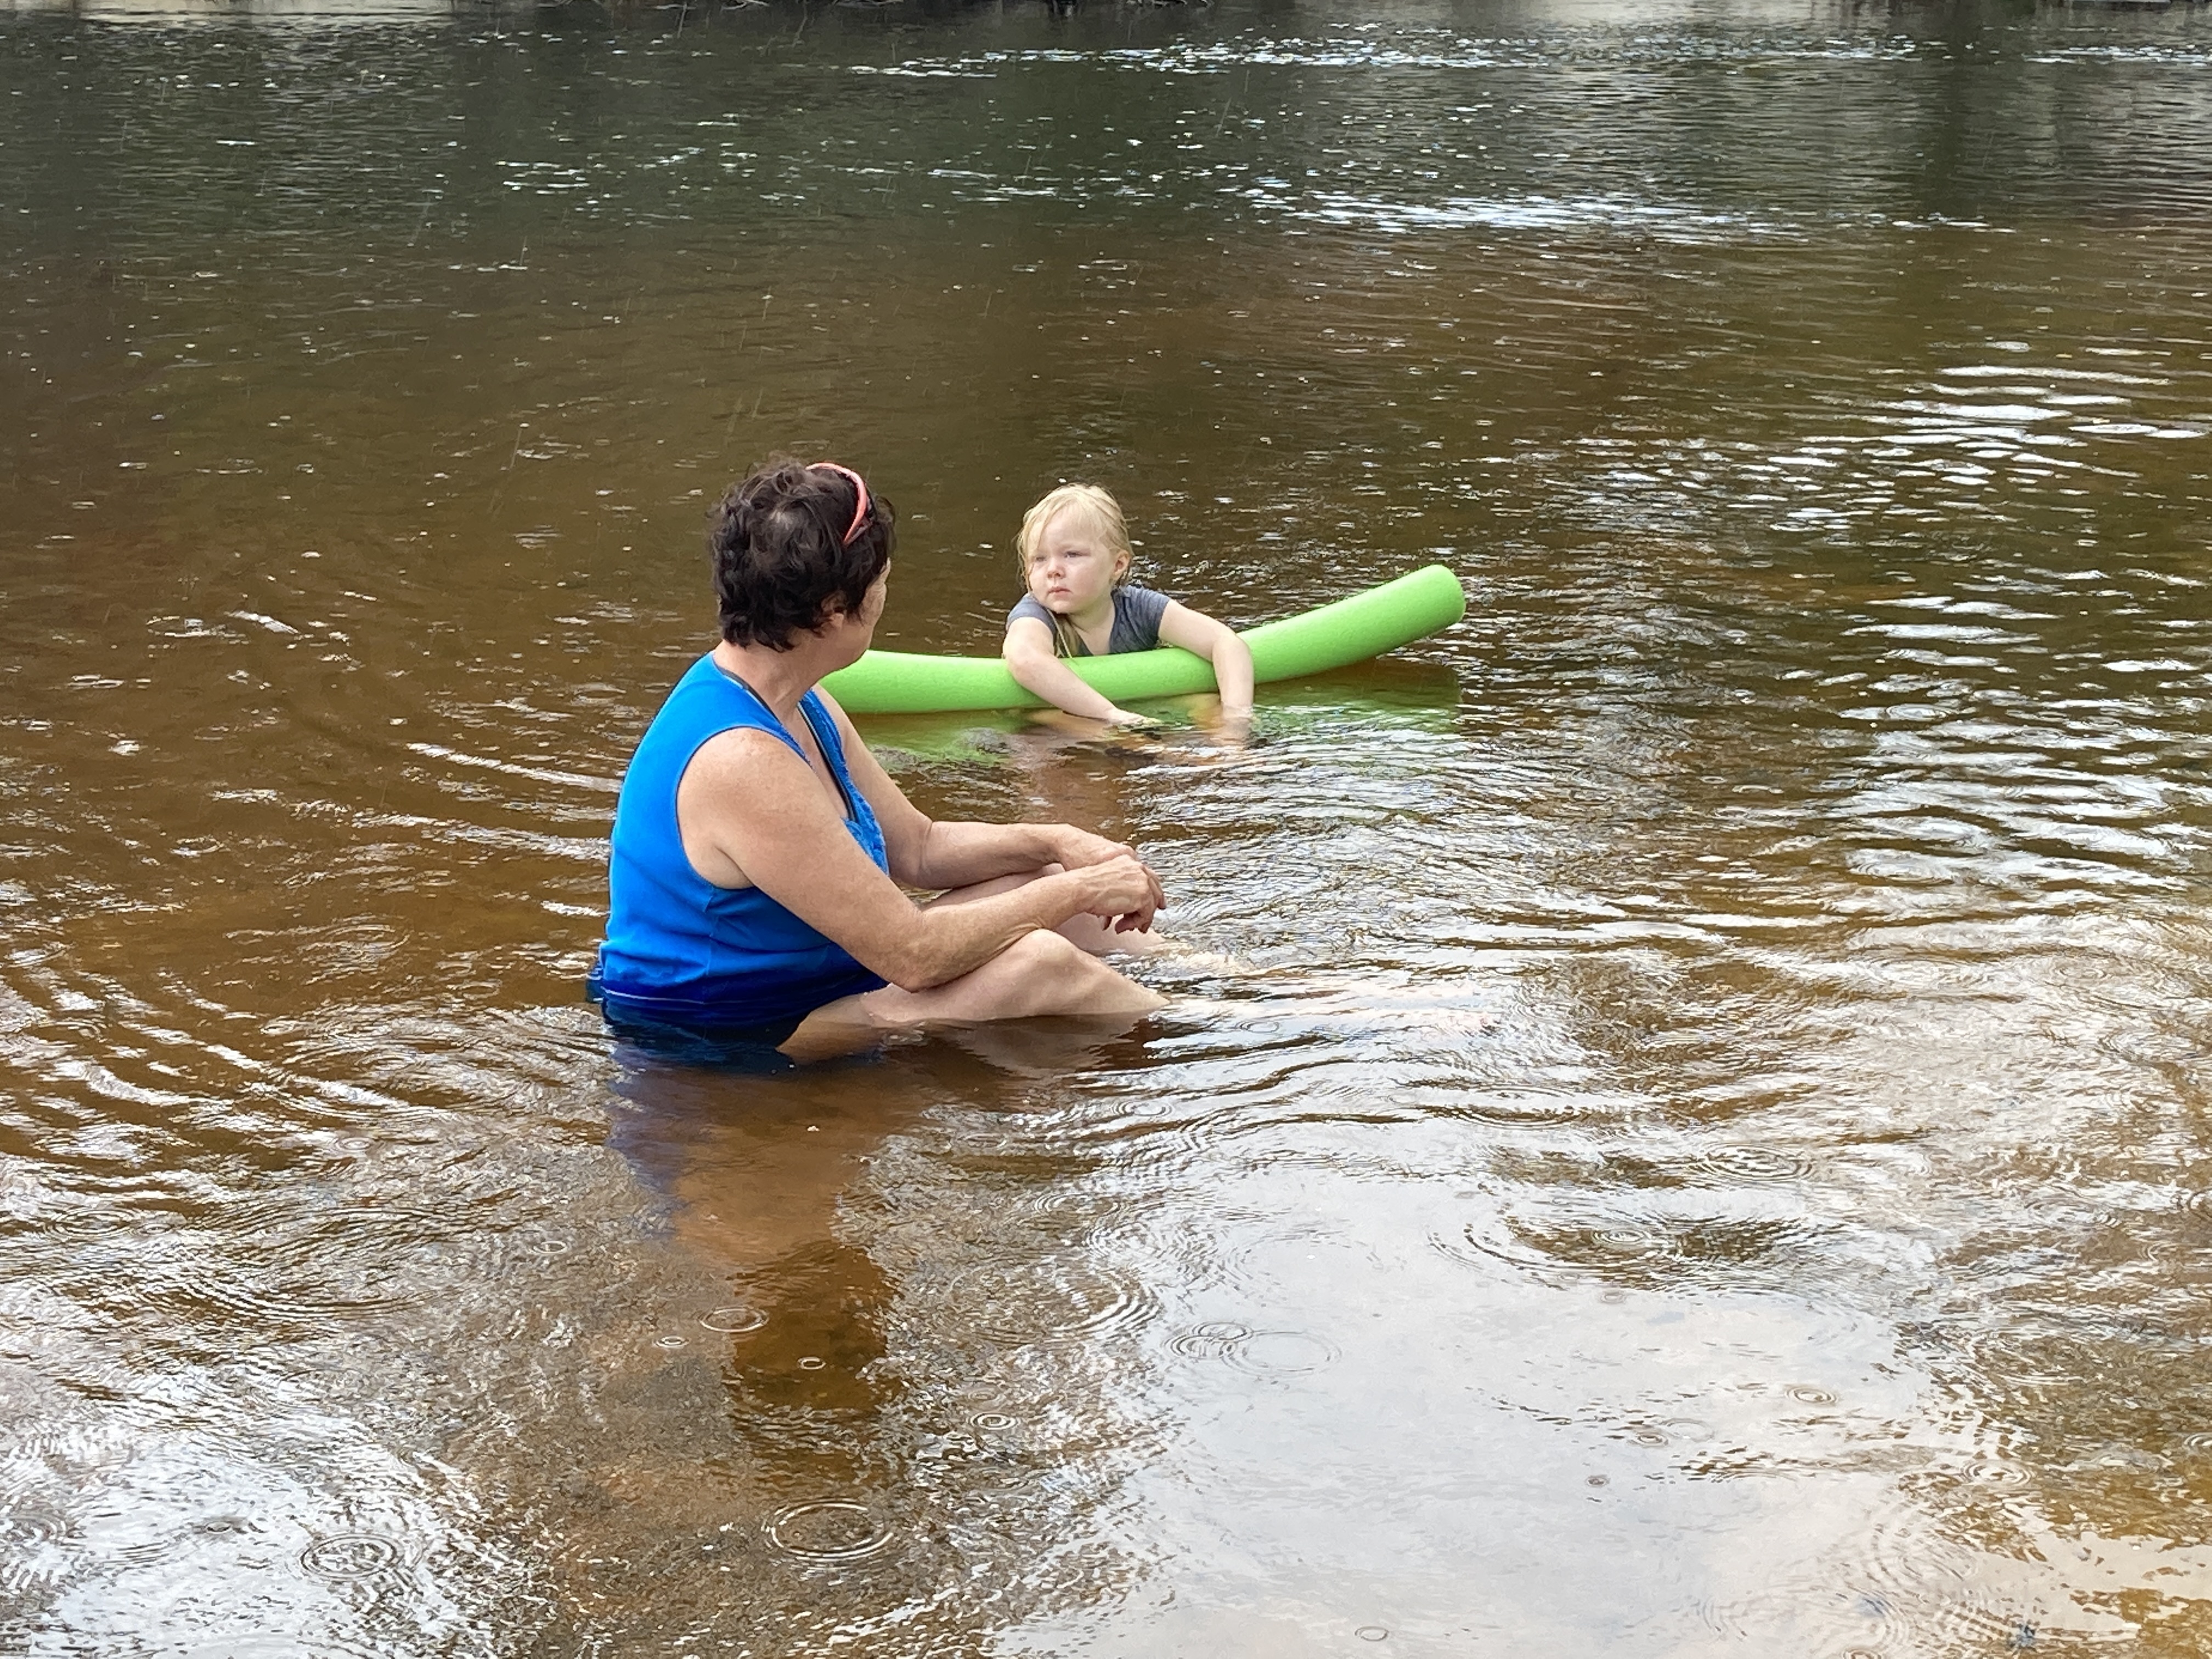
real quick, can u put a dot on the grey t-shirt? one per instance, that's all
(1137, 613)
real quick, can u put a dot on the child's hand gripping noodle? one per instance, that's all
(1074, 552)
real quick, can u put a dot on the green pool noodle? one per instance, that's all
(1350, 631)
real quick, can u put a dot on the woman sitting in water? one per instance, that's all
(1075, 555)
(759, 848)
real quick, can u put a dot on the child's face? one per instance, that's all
(1071, 567)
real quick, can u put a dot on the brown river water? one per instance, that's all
(1684, 1126)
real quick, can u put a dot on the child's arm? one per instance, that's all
(1030, 660)
(1232, 658)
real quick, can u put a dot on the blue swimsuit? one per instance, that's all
(682, 951)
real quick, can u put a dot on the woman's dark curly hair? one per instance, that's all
(781, 561)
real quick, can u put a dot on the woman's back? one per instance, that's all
(679, 948)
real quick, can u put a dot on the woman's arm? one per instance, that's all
(926, 853)
(1201, 635)
(751, 808)
(1030, 660)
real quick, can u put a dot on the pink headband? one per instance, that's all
(861, 489)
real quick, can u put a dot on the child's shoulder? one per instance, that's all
(1146, 604)
(1137, 614)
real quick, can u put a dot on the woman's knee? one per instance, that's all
(1040, 973)
(1057, 976)
(1043, 956)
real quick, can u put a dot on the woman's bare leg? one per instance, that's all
(1087, 932)
(1041, 973)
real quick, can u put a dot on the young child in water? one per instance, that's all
(1074, 553)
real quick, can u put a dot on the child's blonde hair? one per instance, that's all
(1102, 511)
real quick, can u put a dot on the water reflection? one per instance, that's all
(1679, 1122)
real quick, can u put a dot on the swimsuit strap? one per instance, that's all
(833, 747)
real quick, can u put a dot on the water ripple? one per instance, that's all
(829, 1530)
(1056, 1300)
